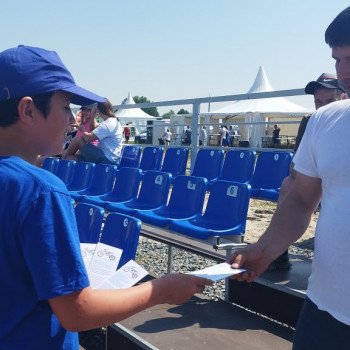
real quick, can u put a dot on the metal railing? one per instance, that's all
(197, 102)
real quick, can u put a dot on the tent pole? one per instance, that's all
(194, 141)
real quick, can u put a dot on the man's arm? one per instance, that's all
(287, 225)
(89, 308)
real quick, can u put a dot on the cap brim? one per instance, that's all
(313, 85)
(83, 97)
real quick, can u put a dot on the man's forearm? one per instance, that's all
(287, 225)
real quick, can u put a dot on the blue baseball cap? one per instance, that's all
(30, 71)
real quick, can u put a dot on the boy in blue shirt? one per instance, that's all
(46, 295)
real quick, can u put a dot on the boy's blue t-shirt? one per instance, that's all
(39, 256)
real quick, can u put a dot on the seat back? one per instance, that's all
(175, 161)
(130, 157)
(82, 176)
(50, 164)
(122, 231)
(238, 166)
(126, 184)
(208, 163)
(154, 188)
(65, 170)
(89, 222)
(187, 195)
(270, 169)
(102, 180)
(228, 204)
(151, 158)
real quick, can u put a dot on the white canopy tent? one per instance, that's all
(259, 110)
(136, 116)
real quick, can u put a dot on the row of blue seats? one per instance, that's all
(238, 165)
(264, 173)
(174, 162)
(224, 215)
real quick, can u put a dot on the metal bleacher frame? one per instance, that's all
(273, 294)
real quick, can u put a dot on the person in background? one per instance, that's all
(126, 133)
(88, 121)
(224, 136)
(46, 293)
(188, 136)
(276, 135)
(322, 168)
(203, 136)
(326, 89)
(232, 134)
(167, 137)
(109, 135)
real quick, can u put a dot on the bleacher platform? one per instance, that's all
(204, 323)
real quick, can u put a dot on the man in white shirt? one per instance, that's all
(322, 166)
(203, 136)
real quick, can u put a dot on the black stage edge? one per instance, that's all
(263, 299)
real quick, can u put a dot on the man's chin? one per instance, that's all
(346, 85)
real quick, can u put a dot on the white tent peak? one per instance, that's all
(261, 83)
(130, 114)
(133, 116)
(270, 106)
(129, 100)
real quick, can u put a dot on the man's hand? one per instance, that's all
(252, 259)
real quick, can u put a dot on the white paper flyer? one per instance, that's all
(217, 272)
(103, 263)
(125, 277)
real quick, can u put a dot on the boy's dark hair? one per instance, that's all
(338, 32)
(9, 113)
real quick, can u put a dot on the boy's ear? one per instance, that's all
(25, 110)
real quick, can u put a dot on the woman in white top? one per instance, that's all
(167, 137)
(108, 133)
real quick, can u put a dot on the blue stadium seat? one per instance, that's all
(130, 157)
(101, 183)
(82, 176)
(186, 202)
(270, 170)
(65, 170)
(122, 231)
(238, 166)
(89, 221)
(50, 164)
(151, 158)
(125, 188)
(153, 194)
(175, 161)
(225, 214)
(208, 163)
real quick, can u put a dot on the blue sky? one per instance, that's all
(178, 49)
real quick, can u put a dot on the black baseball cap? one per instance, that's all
(326, 80)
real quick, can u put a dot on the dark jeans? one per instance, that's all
(93, 154)
(318, 330)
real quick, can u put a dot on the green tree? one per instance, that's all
(168, 114)
(183, 111)
(151, 111)
(142, 99)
